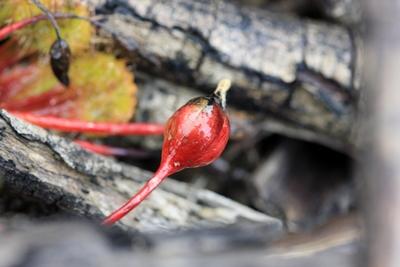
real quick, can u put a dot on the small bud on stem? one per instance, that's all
(222, 89)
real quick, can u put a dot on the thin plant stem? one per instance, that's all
(50, 17)
(134, 201)
(74, 125)
(110, 150)
(7, 30)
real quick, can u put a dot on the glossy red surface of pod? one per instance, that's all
(195, 135)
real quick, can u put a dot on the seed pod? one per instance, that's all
(59, 60)
(195, 135)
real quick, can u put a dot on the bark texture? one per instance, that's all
(300, 71)
(50, 169)
(159, 98)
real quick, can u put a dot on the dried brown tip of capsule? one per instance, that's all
(222, 87)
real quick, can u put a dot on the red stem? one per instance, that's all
(7, 30)
(73, 125)
(109, 150)
(50, 98)
(134, 201)
(63, 109)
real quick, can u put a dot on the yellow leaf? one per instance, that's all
(103, 87)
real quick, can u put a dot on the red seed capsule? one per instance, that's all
(195, 135)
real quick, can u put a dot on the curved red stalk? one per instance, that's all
(195, 135)
(52, 97)
(109, 150)
(134, 201)
(9, 29)
(73, 125)
(65, 109)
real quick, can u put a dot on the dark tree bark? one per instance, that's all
(50, 169)
(303, 73)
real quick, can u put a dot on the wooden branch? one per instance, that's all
(159, 98)
(301, 72)
(54, 171)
